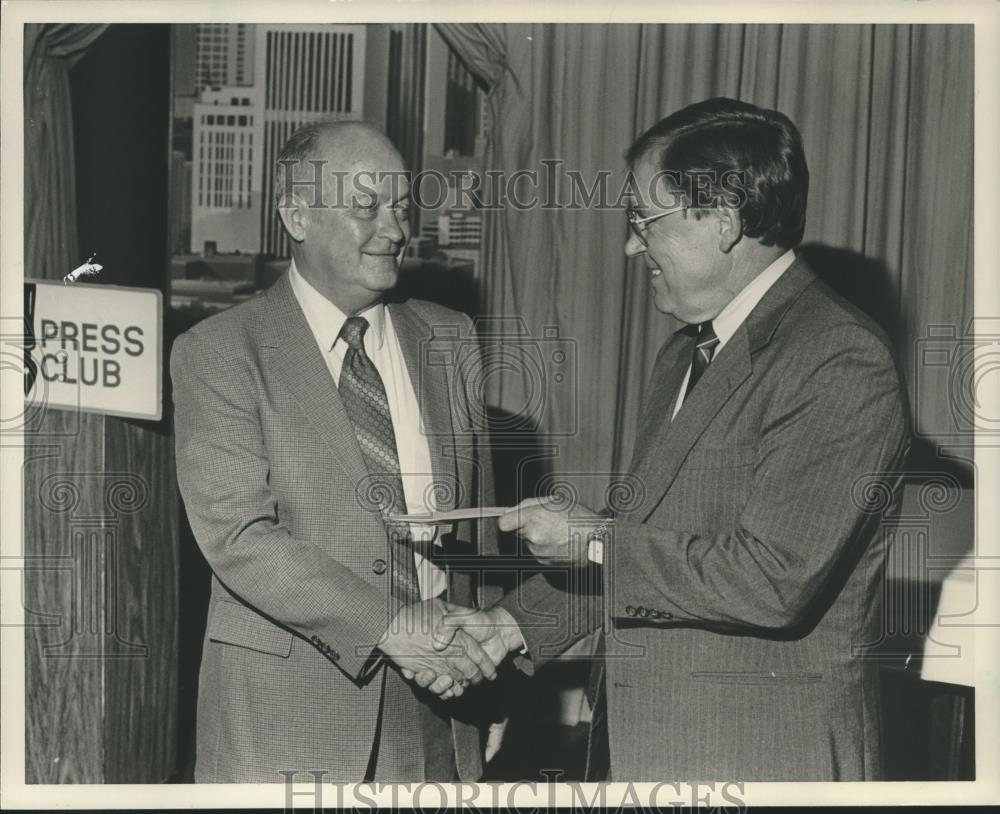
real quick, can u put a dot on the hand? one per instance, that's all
(552, 539)
(493, 629)
(411, 644)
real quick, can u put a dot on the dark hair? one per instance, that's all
(738, 154)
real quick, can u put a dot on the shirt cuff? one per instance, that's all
(510, 622)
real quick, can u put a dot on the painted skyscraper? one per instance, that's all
(304, 72)
(226, 170)
(223, 54)
(300, 73)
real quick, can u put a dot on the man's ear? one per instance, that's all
(730, 227)
(294, 216)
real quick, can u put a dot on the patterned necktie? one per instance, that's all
(364, 397)
(703, 350)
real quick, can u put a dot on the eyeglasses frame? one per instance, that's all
(638, 225)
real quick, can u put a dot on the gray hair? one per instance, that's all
(301, 146)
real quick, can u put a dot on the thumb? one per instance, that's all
(444, 631)
(516, 516)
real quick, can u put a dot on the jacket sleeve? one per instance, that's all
(838, 414)
(222, 471)
(553, 611)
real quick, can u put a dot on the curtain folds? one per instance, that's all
(50, 50)
(885, 113)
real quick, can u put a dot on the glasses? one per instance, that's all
(639, 224)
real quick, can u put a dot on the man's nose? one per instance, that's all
(392, 227)
(633, 245)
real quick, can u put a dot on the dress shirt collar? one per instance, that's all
(326, 319)
(740, 306)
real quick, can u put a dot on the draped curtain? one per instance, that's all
(885, 113)
(50, 50)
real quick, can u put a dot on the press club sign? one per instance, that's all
(95, 348)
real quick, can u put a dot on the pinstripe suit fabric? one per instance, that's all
(743, 585)
(274, 481)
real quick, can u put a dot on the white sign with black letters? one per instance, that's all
(96, 348)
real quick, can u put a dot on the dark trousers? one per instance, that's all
(598, 751)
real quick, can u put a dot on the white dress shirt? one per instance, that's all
(735, 313)
(382, 346)
(725, 325)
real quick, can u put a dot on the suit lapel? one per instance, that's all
(664, 384)
(433, 386)
(661, 444)
(293, 355)
(668, 447)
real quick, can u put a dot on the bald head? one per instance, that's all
(342, 148)
(343, 197)
(354, 141)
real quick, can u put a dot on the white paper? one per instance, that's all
(480, 513)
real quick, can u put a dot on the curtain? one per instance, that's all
(50, 50)
(885, 113)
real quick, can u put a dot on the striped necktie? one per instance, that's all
(703, 351)
(367, 405)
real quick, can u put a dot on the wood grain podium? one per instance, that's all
(101, 510)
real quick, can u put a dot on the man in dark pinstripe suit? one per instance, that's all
(742, 587)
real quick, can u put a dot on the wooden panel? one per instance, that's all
(63, 704)
(100, 700)
(101, 518)
(140, 724)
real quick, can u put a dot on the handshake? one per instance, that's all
(443, 647)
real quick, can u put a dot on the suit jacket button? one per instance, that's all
(335, 655)
(379, 566)
(644, 612)
(630, 610)
(667, 615)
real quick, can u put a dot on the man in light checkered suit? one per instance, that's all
(296, 414)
